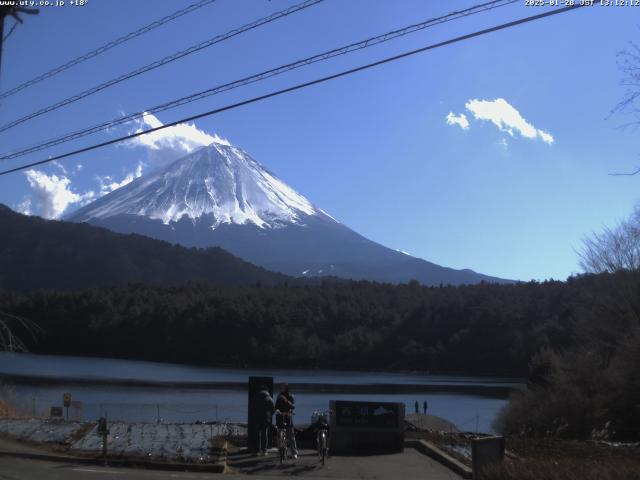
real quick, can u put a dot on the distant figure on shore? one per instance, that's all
(264, 408)
(286, 404)
(417, 405)
(425, 405)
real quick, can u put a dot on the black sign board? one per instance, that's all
(485, 451)
(366, 414)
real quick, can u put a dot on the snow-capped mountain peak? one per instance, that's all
(220, 183)
(220, 196)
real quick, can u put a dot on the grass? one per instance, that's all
(548, 458)
(555, 459)
(564, 469)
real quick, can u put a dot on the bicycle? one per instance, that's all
(322, 435)
(283, 429)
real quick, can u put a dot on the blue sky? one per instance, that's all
(374, 149)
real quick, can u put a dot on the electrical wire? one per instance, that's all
(301, 85)
(164, 61)
(13, 27)
(105, 47)
(369, 42)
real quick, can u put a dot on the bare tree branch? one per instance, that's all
(625, 174)
(8, 339)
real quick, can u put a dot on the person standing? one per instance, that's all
(424, 407)
(285, 406)
(264, 408)
(417, 405)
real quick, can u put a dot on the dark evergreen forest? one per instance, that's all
(484, 329)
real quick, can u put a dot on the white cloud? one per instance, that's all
(506, 118)
(503, 143)
(108, 185)
(546, 137)
(53, 193)
(460, 120)
(173, 142)
(59, 166)
(24, 207)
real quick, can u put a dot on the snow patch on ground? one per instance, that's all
(41, 431)
(188, 442)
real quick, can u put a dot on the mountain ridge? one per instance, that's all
(220, 196)
(36, 253)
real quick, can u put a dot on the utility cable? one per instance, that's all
(301, 86)
(369, 42)
(163, 61)
(105, 47)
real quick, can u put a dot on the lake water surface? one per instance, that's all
(474, 407)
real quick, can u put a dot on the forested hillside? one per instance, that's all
(482, 329)
(577, 342)
(37, 253)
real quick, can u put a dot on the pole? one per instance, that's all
(104, 445)
(13, 11)
(3, 13)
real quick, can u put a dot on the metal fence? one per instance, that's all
(134, 412)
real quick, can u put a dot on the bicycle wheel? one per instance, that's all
(282, 445)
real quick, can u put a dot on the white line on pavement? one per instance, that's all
(110, 472)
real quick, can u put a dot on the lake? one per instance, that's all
(148, 391)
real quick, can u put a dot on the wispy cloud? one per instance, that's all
(507, 118)
(108, 184)
(172, 142)
(60, 167)
(24, 207)
(460, 120)
(53, 194)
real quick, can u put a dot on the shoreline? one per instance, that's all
(488, 390)
(493, 378)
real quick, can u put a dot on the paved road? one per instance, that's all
(24, 469)
(408, 466)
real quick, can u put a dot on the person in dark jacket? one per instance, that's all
(285, 406)
(264, 408)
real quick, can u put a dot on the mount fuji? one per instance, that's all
(220, 196)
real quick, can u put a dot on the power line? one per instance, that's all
(105, 47)
(301, 86)
(13, 27)
(369, 42)
(158, 63)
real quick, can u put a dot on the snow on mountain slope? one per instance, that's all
(219, 181)
(220, 196)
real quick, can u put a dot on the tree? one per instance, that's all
(591, 389)
(615, 249)
(9, 323)
(629, 64)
